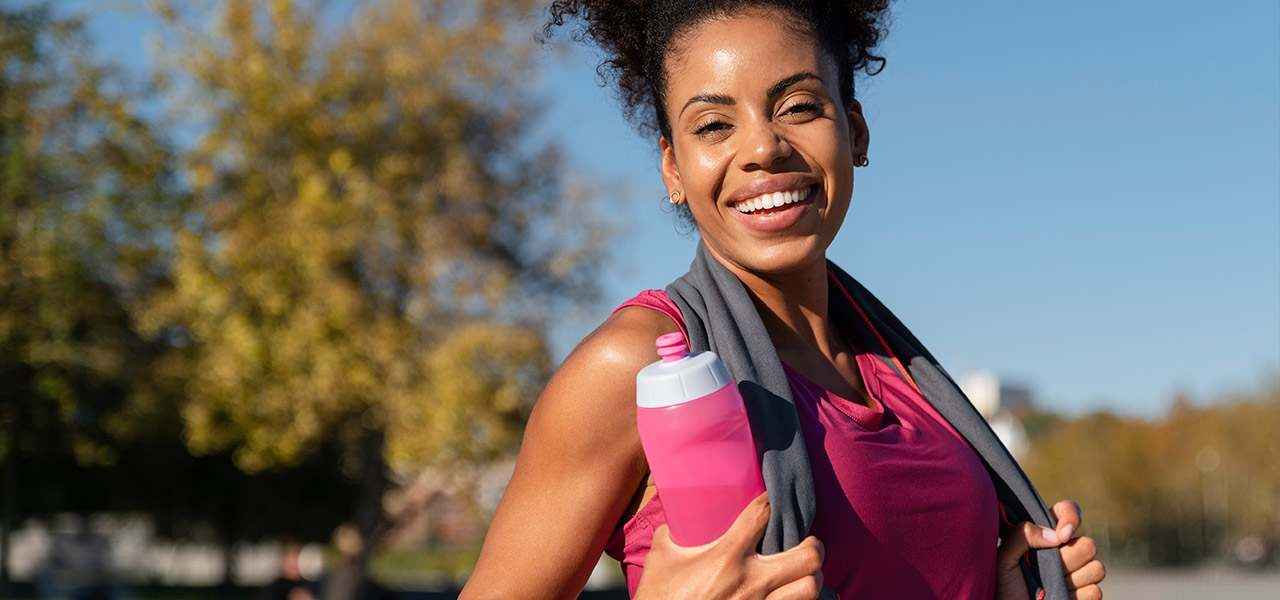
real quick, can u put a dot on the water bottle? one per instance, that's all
(695, 434)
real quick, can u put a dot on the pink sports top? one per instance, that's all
(905, 509)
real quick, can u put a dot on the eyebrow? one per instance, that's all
(774, 91)
(709, 98)
(781, 86)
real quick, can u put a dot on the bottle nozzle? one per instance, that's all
(671, 347)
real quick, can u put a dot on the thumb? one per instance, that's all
(748, 528)
(1026, 536)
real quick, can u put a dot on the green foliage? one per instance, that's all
(88, 201)
(1179, 490)
(353, 262)
(378, 248)
(86, 190)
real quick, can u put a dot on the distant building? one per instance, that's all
(999, 402)
(1011, 433)
(991, 395)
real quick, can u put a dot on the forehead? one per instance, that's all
(743, 51)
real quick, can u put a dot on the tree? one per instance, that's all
(86, 188)
(89, 410)
(379, 247)
(1191, 486)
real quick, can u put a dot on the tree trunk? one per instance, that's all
(368, 517)
(230, 534)
(8, 522)
(350, 577)
(373, 482)
(9, 517)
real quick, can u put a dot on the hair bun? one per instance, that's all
(636, 34)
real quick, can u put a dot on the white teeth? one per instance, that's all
(771, 200)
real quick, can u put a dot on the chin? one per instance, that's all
(779, 259)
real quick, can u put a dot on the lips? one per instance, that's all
(782, 182)
(771, 200)
(794, 206)
(774, 203)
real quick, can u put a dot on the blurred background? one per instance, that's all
(281, 280)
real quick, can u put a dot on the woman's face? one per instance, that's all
(757, 122)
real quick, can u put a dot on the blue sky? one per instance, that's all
(1083, 197)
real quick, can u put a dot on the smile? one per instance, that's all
(772, 200)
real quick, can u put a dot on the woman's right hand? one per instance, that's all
(730, 567)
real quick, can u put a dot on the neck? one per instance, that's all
(793, 306)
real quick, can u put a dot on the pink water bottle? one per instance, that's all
(696, 437)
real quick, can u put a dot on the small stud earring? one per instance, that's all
(862, 160)
(675, 197)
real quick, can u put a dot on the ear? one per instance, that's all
(859, 135)
(670, 172)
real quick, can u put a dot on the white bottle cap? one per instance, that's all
(678, 377)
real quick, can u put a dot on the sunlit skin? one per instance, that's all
(751, 103)
(753, 108)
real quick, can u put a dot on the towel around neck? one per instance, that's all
(720, 316)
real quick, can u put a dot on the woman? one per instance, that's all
(876, 493)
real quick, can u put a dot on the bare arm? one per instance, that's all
(580, 465)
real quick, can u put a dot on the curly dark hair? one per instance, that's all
(637, 34)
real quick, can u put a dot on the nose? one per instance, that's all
(762, 147)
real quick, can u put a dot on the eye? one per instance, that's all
(803, 110)
(711, 128)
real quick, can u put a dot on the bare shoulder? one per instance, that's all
(579, 468)
(597, 379)
(621, 346)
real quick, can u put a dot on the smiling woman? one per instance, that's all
(882, 480)
(758, 113)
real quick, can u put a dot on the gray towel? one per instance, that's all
(721, 317)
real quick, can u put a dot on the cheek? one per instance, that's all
(837, 144)
(838, 156)
(705, 170)
(716, 158)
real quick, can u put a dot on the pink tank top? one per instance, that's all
(905, 508)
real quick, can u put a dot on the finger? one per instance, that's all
(1018, 540)
(748, 528)
(1067, 512)
(804, 560)
(662, 544)
(806, 588)
(1090, 574)
(1089, 592)
(1012, 546)
(1077, 553)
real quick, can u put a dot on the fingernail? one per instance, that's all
(1049, 535)
(1067, 531)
